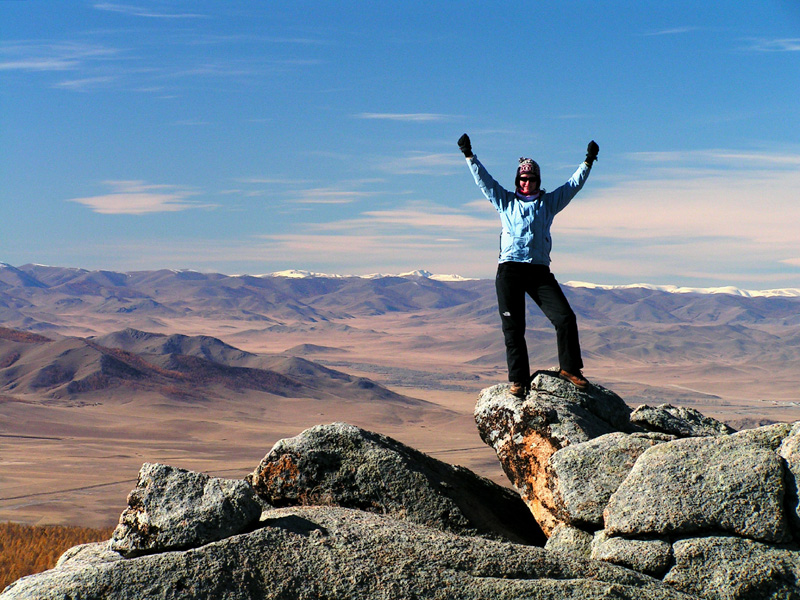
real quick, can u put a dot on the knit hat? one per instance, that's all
(529, 166)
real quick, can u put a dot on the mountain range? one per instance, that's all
(26, 290)
(424, 331)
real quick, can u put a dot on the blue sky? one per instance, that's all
(250, 137)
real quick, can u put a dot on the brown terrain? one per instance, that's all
(102, 371)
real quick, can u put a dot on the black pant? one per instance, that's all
(513, 281)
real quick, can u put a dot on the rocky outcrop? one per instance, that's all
(343, 465)
(173, 509)
(415, 528)
(526, 433)
(669, 492)
(331, 552)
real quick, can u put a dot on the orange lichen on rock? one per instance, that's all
(278, 479)
(526, 465)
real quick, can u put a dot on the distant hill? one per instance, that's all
(178, 367)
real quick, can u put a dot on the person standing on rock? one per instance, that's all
(524, 265)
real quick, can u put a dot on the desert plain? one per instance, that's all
(71, 458)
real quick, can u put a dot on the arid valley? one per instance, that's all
(101, 372)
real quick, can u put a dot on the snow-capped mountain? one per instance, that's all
(674, 289)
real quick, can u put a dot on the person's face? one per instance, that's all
(528, 184)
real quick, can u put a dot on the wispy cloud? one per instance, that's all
(402, 238)
(139, 198)
(422, 163)
(138, 11)
(38, 56)
(671, 31)
(714, 215)
(265, 180)
(329, 196)
(777, 45)
(411, 117)
(420, 216)
(737, 159)
(87, 83)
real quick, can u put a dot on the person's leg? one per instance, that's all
(509, 284)
(551, 299)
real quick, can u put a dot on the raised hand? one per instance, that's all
(591, 152)
(465, 145)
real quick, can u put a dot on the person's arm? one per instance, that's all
(560, 197)
(494, 192)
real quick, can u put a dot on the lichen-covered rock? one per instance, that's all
(648, 556)
(331, 553)
(525, 433)
(343, 465)
(88, 554)
(583, 476)
(733, 568)
(790, 451)
(570, 540)
(681, 421)
(174, 508)
(769, 436)
(727, 483)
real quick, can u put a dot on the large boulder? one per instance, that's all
(343, 465)
(723, 568)
(681, 421)
(725, 483)
(584, 476)
(174, 508)
(525, 433)
(334, 553)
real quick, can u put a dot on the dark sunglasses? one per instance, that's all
(527, 178)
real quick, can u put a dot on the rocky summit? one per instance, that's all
(663, 490)
(657, 503)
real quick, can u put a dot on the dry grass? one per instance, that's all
(28, 549)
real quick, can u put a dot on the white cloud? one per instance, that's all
(672, 31)
(138, 198)
(421, 163)
(696, 159)
(719, 216)
(138, 11)
(411, 117)
(329, 196)
(84, 84)
(777, 45)
(265, 180)
(36, 56)
(415, 217)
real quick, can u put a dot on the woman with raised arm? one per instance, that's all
(526, 215)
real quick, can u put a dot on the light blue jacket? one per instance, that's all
(526, 219)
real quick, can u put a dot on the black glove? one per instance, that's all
(465, 145)
(591, 152)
